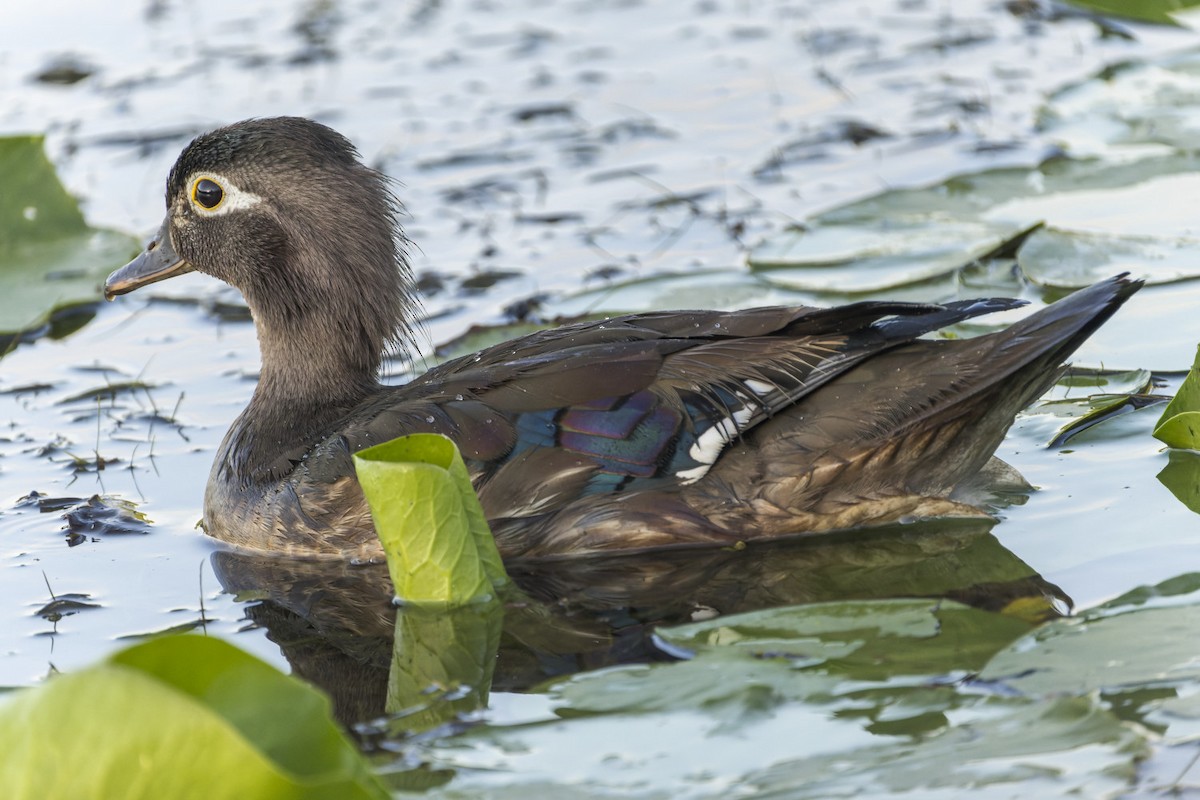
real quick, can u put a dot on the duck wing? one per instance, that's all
(634, 402)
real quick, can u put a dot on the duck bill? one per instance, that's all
(157, 262)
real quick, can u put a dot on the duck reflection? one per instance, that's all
(337, 626)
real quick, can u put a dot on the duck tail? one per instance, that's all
(1070, 321)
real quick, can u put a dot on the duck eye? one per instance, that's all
(207, 193)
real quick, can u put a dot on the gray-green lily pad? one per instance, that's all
(1064, 259)
(49, 257)
(893, 251)
(1085, 397)
(1067, 747)
(859, 638)
(1103, 651)
(1079, 382)
(1134, 109)
(722, 719)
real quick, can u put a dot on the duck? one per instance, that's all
(639, 432)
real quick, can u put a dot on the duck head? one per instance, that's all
(283, 210)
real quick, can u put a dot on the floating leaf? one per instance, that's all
(1063, 259)
(997, 750)
(1071, 406)
(868, 255)
(49, 258)
(1089, 411)
(1179, 425)
(852, 676)
(1103, 650)
(179, 716)
(437, 541)
(859, 638)
(1078, 381)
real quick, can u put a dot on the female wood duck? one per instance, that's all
(643, 431)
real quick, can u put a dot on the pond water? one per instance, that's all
(558, 158)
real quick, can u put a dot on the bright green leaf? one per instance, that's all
(180, 716)
(438, 545)
(1161, 11)
(1181, 430)
(1179, 425)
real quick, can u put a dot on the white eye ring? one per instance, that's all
(231, 198)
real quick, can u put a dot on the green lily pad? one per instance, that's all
(859, 639)
(49, 257)
(1103, 650)
(1179, 425)
(866, 681)
(437, 541)
(998, 750)
(179, 716)
(1084, 381)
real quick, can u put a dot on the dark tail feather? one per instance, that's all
(1019, 364)
(1069, 322)
(905, 328)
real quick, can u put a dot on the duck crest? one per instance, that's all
(653, 430)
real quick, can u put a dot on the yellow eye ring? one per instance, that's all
(207, 194)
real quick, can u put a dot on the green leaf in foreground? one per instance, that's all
(180, 716)
(437, 541)
(49, 257)
(1161, 11)
(1179, 425)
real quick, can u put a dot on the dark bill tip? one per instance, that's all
(157, 262)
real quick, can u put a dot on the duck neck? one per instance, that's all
(319, 360)
(309, 378)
